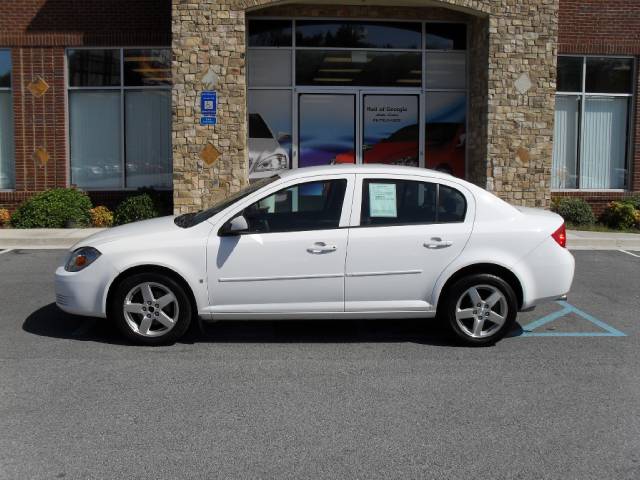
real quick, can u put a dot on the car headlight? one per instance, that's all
(81, 259)
(277, 161)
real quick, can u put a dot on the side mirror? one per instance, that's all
(234, 226)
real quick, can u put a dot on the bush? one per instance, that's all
(5, 217)
(134, 209)
(635, 201)
(57, 208)
(574, 210)
(620, 215)
(101, 217)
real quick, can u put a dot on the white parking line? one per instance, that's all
(6, 251)
(629, 253)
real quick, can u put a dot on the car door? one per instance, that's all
(291, 258)
(405, 231)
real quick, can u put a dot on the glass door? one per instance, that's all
(326, 128)
(391, 129)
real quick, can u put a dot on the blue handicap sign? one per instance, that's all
(208, 120)
(208, 103)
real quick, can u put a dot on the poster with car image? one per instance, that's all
(269, 132)
(445, 135)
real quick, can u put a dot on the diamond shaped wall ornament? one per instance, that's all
(41, 155)
(210, 154)
(209, 79)
(38, 87)
(523, 154)
(523, 83)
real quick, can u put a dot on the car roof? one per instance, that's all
(368, 168)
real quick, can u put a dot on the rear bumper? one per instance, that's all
(548, 273)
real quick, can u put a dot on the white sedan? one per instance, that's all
(343, 241)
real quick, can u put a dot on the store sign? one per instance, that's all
(208, 108)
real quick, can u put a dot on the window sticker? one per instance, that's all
(382, 200)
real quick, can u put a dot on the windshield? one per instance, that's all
(190, 219)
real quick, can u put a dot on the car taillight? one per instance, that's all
(560, 236)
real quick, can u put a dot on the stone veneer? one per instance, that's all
(510, 129)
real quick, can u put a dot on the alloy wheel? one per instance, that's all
(151, 309)
(481, 311)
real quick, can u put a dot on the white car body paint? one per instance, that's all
(373, 272)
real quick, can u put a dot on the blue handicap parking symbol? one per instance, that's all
(567, 309)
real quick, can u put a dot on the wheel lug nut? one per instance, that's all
(144, 309)
(149, 315)
(157, 305)
(157, 314)
(148, 303)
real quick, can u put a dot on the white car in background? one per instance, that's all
(345, 241)
(266, 155)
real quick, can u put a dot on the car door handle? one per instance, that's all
(436, 243)
(321, 247)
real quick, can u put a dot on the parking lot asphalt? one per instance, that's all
(559, 399)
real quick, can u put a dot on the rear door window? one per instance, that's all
(406, 202)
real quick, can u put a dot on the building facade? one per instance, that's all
(529, 99)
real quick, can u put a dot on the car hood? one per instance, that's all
(130, 231)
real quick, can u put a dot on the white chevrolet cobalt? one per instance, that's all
(334, 242)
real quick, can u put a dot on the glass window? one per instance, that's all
(609, 75)
(358, 68)
(94, 126)
(148, 138)
(269, 33)
(147, 67)
(398, 202)
(591, 133)
(445, 132)
(269, 132)
(5, 69)
(446, 36)
(306, 206)
(269, 68)
(355, 34)
(446, 70)
(570, 74)
(7, 150)
(452, 205)
(94, 68)
(114, 146)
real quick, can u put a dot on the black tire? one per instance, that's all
(160, 283)
(486, 285)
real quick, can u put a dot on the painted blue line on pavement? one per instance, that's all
(609, 331)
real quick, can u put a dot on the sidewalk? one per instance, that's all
(66, 237)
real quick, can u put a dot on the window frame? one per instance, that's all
(356, 213)
(583, 95)
(122, 130)
(420, 90)
(10, 90)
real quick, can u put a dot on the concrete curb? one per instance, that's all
(66, 237)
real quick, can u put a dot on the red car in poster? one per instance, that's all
(445, 149)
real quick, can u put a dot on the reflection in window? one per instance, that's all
(306, 206)
(269, 68)
(269, 33)
(7, 158)
(446, 36)
(358, 68)
(94, 68)
(355, 34)
(147, 67)
(445, 134)
(569, 74)
(609, 75)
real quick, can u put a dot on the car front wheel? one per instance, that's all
(480, 309)
(151, 309)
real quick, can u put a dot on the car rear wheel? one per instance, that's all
(481, 309)
(151, 309)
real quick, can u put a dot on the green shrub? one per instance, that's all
(620, 215)
(57, 208)
(134, 209)
(635, 201)
(574, 210)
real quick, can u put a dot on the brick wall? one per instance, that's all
(37, 33)
(604, 27)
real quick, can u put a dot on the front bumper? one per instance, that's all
(84, 292)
